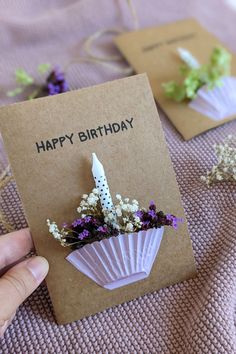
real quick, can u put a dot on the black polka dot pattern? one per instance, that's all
(104, 193)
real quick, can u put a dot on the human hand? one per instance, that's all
(17, 281)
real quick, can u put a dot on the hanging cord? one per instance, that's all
(133, 13)
(126, 71)
(95, 36)
(106, 60)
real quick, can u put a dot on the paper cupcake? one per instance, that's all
(208, 89)
(217, 103)
(113, 244)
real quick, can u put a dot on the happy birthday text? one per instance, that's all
(85, 135)
(169, 41)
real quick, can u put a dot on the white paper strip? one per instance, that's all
(101, 183)
(188, 58)
(119, 261)
(218, 103)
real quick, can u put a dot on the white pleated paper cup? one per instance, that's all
(217, 103)
(118, 261)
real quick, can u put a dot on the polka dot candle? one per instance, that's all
(101, 183)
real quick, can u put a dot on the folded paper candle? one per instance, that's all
(188, 58)
(153, 50)
(101, 183)
(137, 165)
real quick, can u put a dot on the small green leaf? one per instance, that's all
(174, 91)
(43, 68)
(15, 92)
(180, 94)
(34, 94)
(23, 78)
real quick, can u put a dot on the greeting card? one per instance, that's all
(99, 193)
(192, 75)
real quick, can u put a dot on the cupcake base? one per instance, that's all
(119, 261)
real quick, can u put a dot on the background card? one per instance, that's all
(52, 176)
(153, 50)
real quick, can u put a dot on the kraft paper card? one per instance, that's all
(154, 51)
(50, 142)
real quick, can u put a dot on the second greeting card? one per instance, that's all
(192, 74)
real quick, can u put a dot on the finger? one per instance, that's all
(14, 246)
(18, 283)
(5, 324)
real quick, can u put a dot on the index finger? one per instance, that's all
(14, 246)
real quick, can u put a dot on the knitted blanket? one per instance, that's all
(196, 316)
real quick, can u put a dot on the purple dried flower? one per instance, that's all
(88, 219)
(152, 213)
(78, 222)
(103, 229)
(174, 220)
(139, 214)
(152, 218)
(64, 86)
(152, 205)
(84, 234)
(56, 82)
(146, 225)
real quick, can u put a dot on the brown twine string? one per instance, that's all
(91, 39)
(106, 60)
(126, 71)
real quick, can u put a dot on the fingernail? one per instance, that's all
(38, 266)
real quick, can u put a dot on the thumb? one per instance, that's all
(19, 282)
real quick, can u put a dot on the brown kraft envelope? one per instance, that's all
(51, 182)
(154, 51)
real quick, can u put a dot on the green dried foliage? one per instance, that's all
(194, 78)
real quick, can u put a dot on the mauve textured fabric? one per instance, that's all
(196, 316)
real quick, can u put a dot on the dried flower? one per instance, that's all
(123, 217)
(152, 218)
(81, 231)
(225, 169)
(95, 223)
(59, 235)
(83, 234)
(90, 204)
(195, 78)
(55, 82)
(174, 221)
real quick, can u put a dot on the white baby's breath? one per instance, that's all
(56, 233)
(90, 204)
(225, 169)
(129, 227)
(122, 216)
